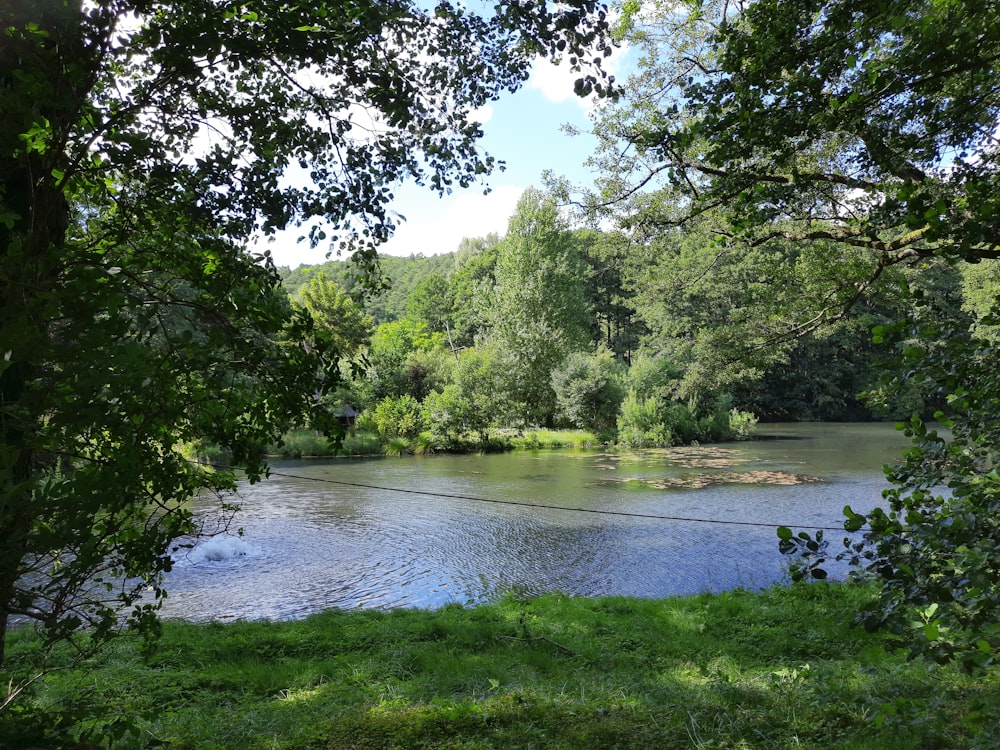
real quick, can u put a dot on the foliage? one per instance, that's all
(818, 121)
(735, 314)
(431, 302)
(536, 311)
(934, 550)
(864, 133)
(301, 442)
(981, 287)
(640, 422)
(359, 444)
(387, 371)
(610, 301)
(398, 417)
(403, 276)
(473, 275)
(589, 389)
(143, 146)
(778, 669)
(476, 403)
(337, 315)
(427, 370)
(554, 439)
(682, 423)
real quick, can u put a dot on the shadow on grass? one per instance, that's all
(781, 668)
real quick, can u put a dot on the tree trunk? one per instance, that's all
(35, 219)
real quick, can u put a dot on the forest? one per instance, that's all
(676, 341)
(795, 216)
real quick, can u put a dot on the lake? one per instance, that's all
(430, 530)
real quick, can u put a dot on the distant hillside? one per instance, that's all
(404, 274)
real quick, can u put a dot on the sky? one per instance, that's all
(522, 129)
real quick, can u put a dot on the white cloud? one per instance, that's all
(442, 224)
(555, 82)
(434, 225)
(481, 114)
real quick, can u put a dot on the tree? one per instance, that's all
(432, 303)
(476, 403)
(144, 143)
(403, 358)
(337, 315)
(397, 417)
(820, 120)
(871, 126)
(731, 311)
(615, 322)
(589, 389)
(536, 312)
(933, 551)
(475, 271)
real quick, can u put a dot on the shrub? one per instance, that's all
(640, 423)
(360, 444)
(397, 446)
(589, 390)
(742, 424)
(398, 417)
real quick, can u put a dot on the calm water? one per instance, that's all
(309, 544)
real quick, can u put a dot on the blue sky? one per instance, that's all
(524, 130)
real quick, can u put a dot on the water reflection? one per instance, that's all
(310, 545)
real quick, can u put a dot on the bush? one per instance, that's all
(589, 389)
(640, 423)
(299, 443)
(360, 444)
(742, 424)
(398, 417)
(646, 423)
(397, 446)
(933, 551)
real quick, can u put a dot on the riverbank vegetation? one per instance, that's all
(795, 217)
(782, 668)
(314, 444)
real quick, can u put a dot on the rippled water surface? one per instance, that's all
(318, 539)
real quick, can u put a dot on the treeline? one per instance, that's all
(645, 342)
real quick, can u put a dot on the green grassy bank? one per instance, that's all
(777, 669)
(304, 443)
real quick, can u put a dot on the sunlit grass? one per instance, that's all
(554, 439)
(397, 447)
(779, 669)
(304, 443)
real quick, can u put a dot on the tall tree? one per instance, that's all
(536, 311)
(474, 272)
(589, 389)
(432, 302)
(343, 321)
(871, 126)
(817, 120)
(614, 323)
(143, 143)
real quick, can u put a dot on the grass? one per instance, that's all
(781, 668)
(305, 443)
(554, 439)
(301, 443)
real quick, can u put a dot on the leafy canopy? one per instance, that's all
(868, 132)
(143, 143)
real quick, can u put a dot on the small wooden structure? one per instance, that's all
(346, 415)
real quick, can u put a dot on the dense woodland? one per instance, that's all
(646, 343)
